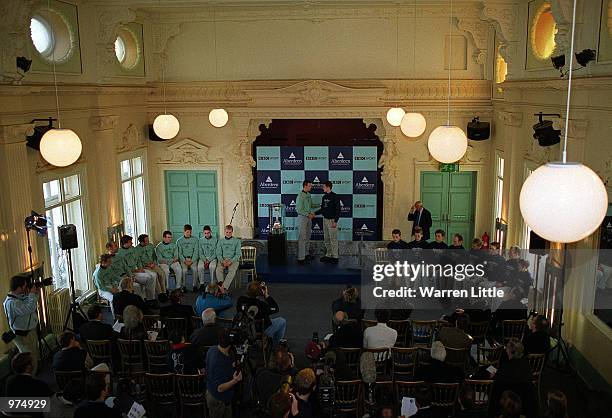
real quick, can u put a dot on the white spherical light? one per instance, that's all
(563, 202)
(447, 143)
(395, 115)
(218, 117)
(413, 125)
(166, 126)
(60, 147)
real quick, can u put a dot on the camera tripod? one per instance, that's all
(75, 310)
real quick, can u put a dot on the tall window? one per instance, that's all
(64, 205)
(132, 187)
(526, 229)
(499, 186)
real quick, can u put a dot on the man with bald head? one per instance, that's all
(420, 217)
(348, 332)
(208, 334)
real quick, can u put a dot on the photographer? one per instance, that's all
(20, 309)
(221, 377)
(214, 297)
(258, 296)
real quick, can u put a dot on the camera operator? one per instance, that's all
(222, 377)
(259, 297)
(213, 296)
(20, 309)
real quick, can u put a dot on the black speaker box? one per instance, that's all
(153, 136)
(478, 131)
(537, 244)
(68, 237)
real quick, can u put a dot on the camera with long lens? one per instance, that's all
(326, 385)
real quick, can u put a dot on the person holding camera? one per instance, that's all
(222, 377)
(20, 309)
(258, 296)
(214, 297)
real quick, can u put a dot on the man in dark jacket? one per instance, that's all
(420, 217)
(330, 209)
(208, 334)
(418, 241)
(95, 329)
(348, 334)
(258, 301)
(128, 297)
(438, 370)
(177, 309)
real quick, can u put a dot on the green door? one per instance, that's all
(450, 197)
(191, 198)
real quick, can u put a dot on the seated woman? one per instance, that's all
(350, 303)
(133, 328)
(537, 341)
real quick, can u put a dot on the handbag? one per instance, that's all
(10, 335)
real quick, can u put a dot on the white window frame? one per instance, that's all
(498, 201)
(129, 157)
(528, 168)
(83, 242)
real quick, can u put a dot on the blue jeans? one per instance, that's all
(276, 330)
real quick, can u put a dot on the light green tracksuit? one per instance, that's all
(188, 248)
(228, 249)
(304, 206)
(207, 252)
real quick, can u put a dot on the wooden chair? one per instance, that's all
(100, 351)
(382, 360)
(161, 392)
(131, 355)
(478, 331)
(247, 263)
(196, 322)
(444, 395)
(489, 356)
(513, 329)
(383, 394)
(536, 361)
(348, 397)
(176, 324)
(150, 322)
(192, 389)
(407, 389)
(366, 323)
(457, 357)
(422, 332)
(381, 255)
(404, 361)
(157, 352)
(62, 378)
(225, 322)
(424, 356)
(351, 358)
(402, 328)
(138, 387)
(482, 392)
(203, 350)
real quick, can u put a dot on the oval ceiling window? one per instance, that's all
(51, 35)
(127, 49)
(42, 35)
(543, 31)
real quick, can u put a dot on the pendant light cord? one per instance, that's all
(215, 41)
(414, 52)
(450, 54)
(397, 50)
(59, 121)
(163, 64)
(569, 86)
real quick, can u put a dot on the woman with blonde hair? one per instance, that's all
(133, 328)
(350, 303)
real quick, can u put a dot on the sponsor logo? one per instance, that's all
(365, 184)
(341, 160)
(316, 226)
(361, 158)
(268, 184)
(315, 158)
(362, 205)
(316, 180)
(266, 158)
(292, 155)
(292, 160)
(342, 181)
(364, 227)
(292, 181)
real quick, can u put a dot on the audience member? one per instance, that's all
(22, 384)
(282, 404)
(438, 242)
(455, 337)
(183, 358)
(268, 380)
(510, 309)
(177, 309)
(133, 328)
(128, 297)
(438, 370)
(221, 377)
(350, 303)
(397, 243)
(106, 278)
(258, 296)
(555, 405)
(303, 386)
(521, 278)
(537, 340)
(496, 269)
(208, 334)
(213, 297)
(347, 332)
(514, 255)
(71, 357)
(510, 405)
(457, 242)
(418, 241)
(95, 406)
(380, 335)
(95, 329)
(146, 256)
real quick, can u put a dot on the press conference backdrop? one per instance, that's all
(351, 169)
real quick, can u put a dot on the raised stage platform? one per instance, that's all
(345, 272)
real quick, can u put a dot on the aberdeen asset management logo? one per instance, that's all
(365, 184)
(268, 183)
(340, 160)
(292, 160)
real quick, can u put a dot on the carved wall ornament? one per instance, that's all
(541, 155)
(504, 16)
(15, 34)
(478, 32)
(102, 123)
(185, 151)
(131, 139)
(109, 21)
(511, 118)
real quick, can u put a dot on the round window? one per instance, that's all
(42, 35)
(127, 49)
(51, 35)
(543, 32)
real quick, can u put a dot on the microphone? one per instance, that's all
(367, 366)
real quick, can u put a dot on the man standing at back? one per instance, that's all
(166, 254)
(330, 209)
(188, 255)
(304, 207)
(228, 256)
(420, 217)
(207, 255)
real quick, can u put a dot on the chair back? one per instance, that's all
(131, 354)
(150, 322)
(176, 324)
(161, 388)
(100, 351)
(62, 378)
(196, 322)
(402, 328)
(157, 352)
(381, 358)
(536, 361)
(351, 358)
(422, 332)
(477, 330)
(347, 395)
(424, 356)
(366, 323)
(381, 255)
(404, 362)
(138, 387)
(409, 390)
(248, 254)
(457, 357)
(191, 389)
(225, 322)
(482, 392)
(444, 395)
(513, 328)
(489, 356)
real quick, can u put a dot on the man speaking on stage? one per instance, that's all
(330, 209)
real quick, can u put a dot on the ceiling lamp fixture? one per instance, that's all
(413, 124)
(564, 201)
(395, 114)
(217, 117)
(60, 147)
(448, 143)
(165, 126)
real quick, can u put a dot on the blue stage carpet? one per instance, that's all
(345, 272)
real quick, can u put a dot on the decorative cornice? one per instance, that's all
(185, 151)
(583, 83)
(72, 90)
(478, 31)
(504, 15)
(511, 118)
(109, 19)
(131, 139)
(10, 134)
(102, 123)
(577, 128)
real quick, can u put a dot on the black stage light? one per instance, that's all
(36, 222)
(23, 64)
(544, 132)
(585, 56)
(477, 130)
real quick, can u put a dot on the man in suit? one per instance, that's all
(420, 217)
(348, 333)
(95, 329)
(209, 333)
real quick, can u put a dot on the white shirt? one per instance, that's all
(379, 336)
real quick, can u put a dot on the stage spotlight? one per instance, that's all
(558, 62)
(544, 132)
(477, 130)
(23, 64)
(585, 56)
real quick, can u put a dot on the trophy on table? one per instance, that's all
(276, 218)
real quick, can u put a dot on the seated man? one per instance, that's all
(146, 257)
(188, 255)
(279, 369)
(22, 384)
(166, 254)
(106, 279)
(438, 243)
(95, 329)
(438, 371)
(454, 337)
(127, 296)
(380, 335)
(177, 309)
(537, 339)
(348, 333)
(397, 243)
(71, 356)
(208, 334)
(457, 242)
(283, 405)
(207, 254)
(350, 303)
(418, 241)
(215, 298)
(148, 279)
(183, 358)
(258, 296)
(97, 391)
(228, 257)
(304, 385)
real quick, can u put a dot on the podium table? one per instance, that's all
(277, 249)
